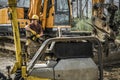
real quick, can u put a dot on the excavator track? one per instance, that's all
(7, 44)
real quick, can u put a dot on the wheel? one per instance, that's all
(2, 77)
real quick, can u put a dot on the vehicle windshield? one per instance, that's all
(23, 3)
(20, 3)
(62, 12)
(62, 5)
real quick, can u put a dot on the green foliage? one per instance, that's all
(117, 16)
(81, 25)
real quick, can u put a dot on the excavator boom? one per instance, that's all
(12, 8)
(35, 8)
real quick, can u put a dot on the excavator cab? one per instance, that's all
(54, 15)
(62, 12)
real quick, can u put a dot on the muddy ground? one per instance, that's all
(6, 60)
(111, 72)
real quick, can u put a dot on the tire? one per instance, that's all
(2, 76)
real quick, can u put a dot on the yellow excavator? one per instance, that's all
(70, 58)
(5, 22)
(53, 14)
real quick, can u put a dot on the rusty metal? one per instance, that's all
(44, 46)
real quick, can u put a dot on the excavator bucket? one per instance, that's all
(95, 12)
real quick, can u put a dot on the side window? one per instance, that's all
(62, 12)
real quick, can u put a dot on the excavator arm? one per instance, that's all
(35, 8)
(100, 22)
(12, 9)
(97, 12)
(19, 56)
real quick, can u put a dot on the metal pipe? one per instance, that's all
(51, 46)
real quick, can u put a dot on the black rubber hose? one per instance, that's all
(18, 75)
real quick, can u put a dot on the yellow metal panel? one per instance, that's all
(8, 22)
(24, 70)
(35, 7)
(4, 19)
(50, 19)
(44, 14)
(20, 13)
(3, 16)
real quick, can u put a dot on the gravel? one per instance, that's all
(111, 72)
